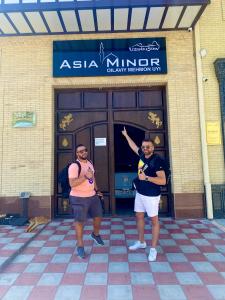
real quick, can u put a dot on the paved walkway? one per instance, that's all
(13, 239)
(190, 264)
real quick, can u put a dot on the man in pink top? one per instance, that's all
(84, 198)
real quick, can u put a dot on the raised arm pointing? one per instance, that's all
(131, 143)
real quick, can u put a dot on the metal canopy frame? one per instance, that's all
(97, 16)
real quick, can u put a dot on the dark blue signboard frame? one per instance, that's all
(109, 57)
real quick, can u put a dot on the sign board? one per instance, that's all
(213, 133)
(118, 57)
(23, 119)
(100, 142)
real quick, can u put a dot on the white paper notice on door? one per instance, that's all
(100, 142)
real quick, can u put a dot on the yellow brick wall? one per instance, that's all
(26, 83)
(212, 38)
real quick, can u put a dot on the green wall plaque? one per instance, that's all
(24, 119)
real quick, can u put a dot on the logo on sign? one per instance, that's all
(102, 54)
(150, 47)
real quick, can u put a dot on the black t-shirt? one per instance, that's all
(150, 166)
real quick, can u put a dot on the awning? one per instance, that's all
(38, 17)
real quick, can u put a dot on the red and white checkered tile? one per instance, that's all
(190, 263)
(12, 241)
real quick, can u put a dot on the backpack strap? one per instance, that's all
(79, 167)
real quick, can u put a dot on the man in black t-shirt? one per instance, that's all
(150, 177)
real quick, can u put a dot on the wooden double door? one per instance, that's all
(95, 118)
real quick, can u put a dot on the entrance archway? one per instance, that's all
(95, 118)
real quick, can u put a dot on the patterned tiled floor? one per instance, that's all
(190, 264)
(12, 241)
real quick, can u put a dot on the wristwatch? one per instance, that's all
(146, 178)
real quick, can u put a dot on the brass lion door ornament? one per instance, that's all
(65, 122)
(155, 119)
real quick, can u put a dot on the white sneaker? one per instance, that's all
(152, 254)
(138, 245)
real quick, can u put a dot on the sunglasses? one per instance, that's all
(82, 151)
(145, 147)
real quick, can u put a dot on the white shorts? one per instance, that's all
(148, 204)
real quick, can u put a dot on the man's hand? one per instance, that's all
(89, 174)
(99, 193)
(131, 143)
(124, 131)
(142, 175)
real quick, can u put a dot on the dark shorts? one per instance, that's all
(85, 207)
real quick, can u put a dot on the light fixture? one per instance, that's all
(203, 52)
